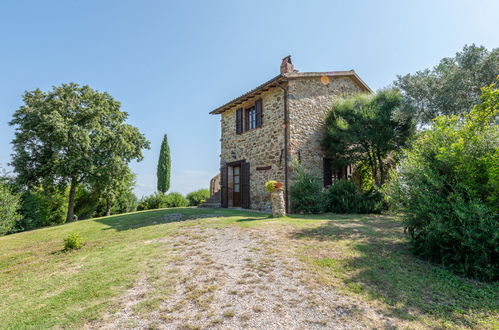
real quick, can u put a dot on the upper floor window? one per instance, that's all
(249, 118)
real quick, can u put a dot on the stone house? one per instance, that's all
(282, 119)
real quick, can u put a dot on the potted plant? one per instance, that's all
(276, 190)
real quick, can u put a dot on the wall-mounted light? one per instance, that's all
(233, 153)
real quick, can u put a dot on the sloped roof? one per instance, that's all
(284, 77)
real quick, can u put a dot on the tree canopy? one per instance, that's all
(453, 86)
(70, 135)
(368, 128)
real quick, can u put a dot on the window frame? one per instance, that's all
(250, 115)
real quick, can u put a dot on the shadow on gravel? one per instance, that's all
(382, 267)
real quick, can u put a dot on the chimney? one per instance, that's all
(286, 65)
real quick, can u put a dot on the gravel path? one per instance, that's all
(235, 278)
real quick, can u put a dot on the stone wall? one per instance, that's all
(309, 101)
(261, 147)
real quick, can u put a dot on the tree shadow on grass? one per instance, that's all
(383, 268)
(263, 217)
(156, 217)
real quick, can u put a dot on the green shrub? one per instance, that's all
(306, 192)
(9, 205)
(160, 200)
(73, 242)
(344, 196)
(151, 202)
(197, 197)
(174, 199)
(447, 189)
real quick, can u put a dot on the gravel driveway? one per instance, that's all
(239, 278)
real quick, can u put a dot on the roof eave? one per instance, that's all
(282, 77)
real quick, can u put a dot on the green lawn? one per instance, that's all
(366, 257)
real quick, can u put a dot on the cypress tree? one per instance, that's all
(164, 166)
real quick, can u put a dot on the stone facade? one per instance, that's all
(309, 99)
(261, 147)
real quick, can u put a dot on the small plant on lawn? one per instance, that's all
(73, 242)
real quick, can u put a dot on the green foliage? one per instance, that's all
(447, 189)
(87, 202)
(160, 200)
(40, 208)
(73, 242)
(270, 186)
(175, 199)
(344, 196)
(164, 165)
(9, 206)
(453, 86)
(125, 202)
(150, 202)
(369, 129)
(197, 197)
(306, 192)
(72, 135)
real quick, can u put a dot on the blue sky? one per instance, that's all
(171, 62)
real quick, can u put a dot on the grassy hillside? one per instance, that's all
(363, 257)
(42, 286)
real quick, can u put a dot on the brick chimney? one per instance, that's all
(286, 65)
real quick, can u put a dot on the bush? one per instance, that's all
(73, 242)
(306, 192)
(9, 205)
(150, 202)
(344, 196)
(160, 200)
(447, 189)
(174, 199)
(197, 197)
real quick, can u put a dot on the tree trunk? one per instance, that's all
(374, 167)
(381, 169)
(108, 206)
(71, 204)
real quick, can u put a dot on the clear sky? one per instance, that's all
(171, 62)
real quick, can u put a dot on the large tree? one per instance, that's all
(163, 172)
(453, 86)
(66, 136)
(368, 129)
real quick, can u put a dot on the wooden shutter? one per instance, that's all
(224, 186)
(327, 171)
(245, 185)
(259, 112)
(239, 121)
